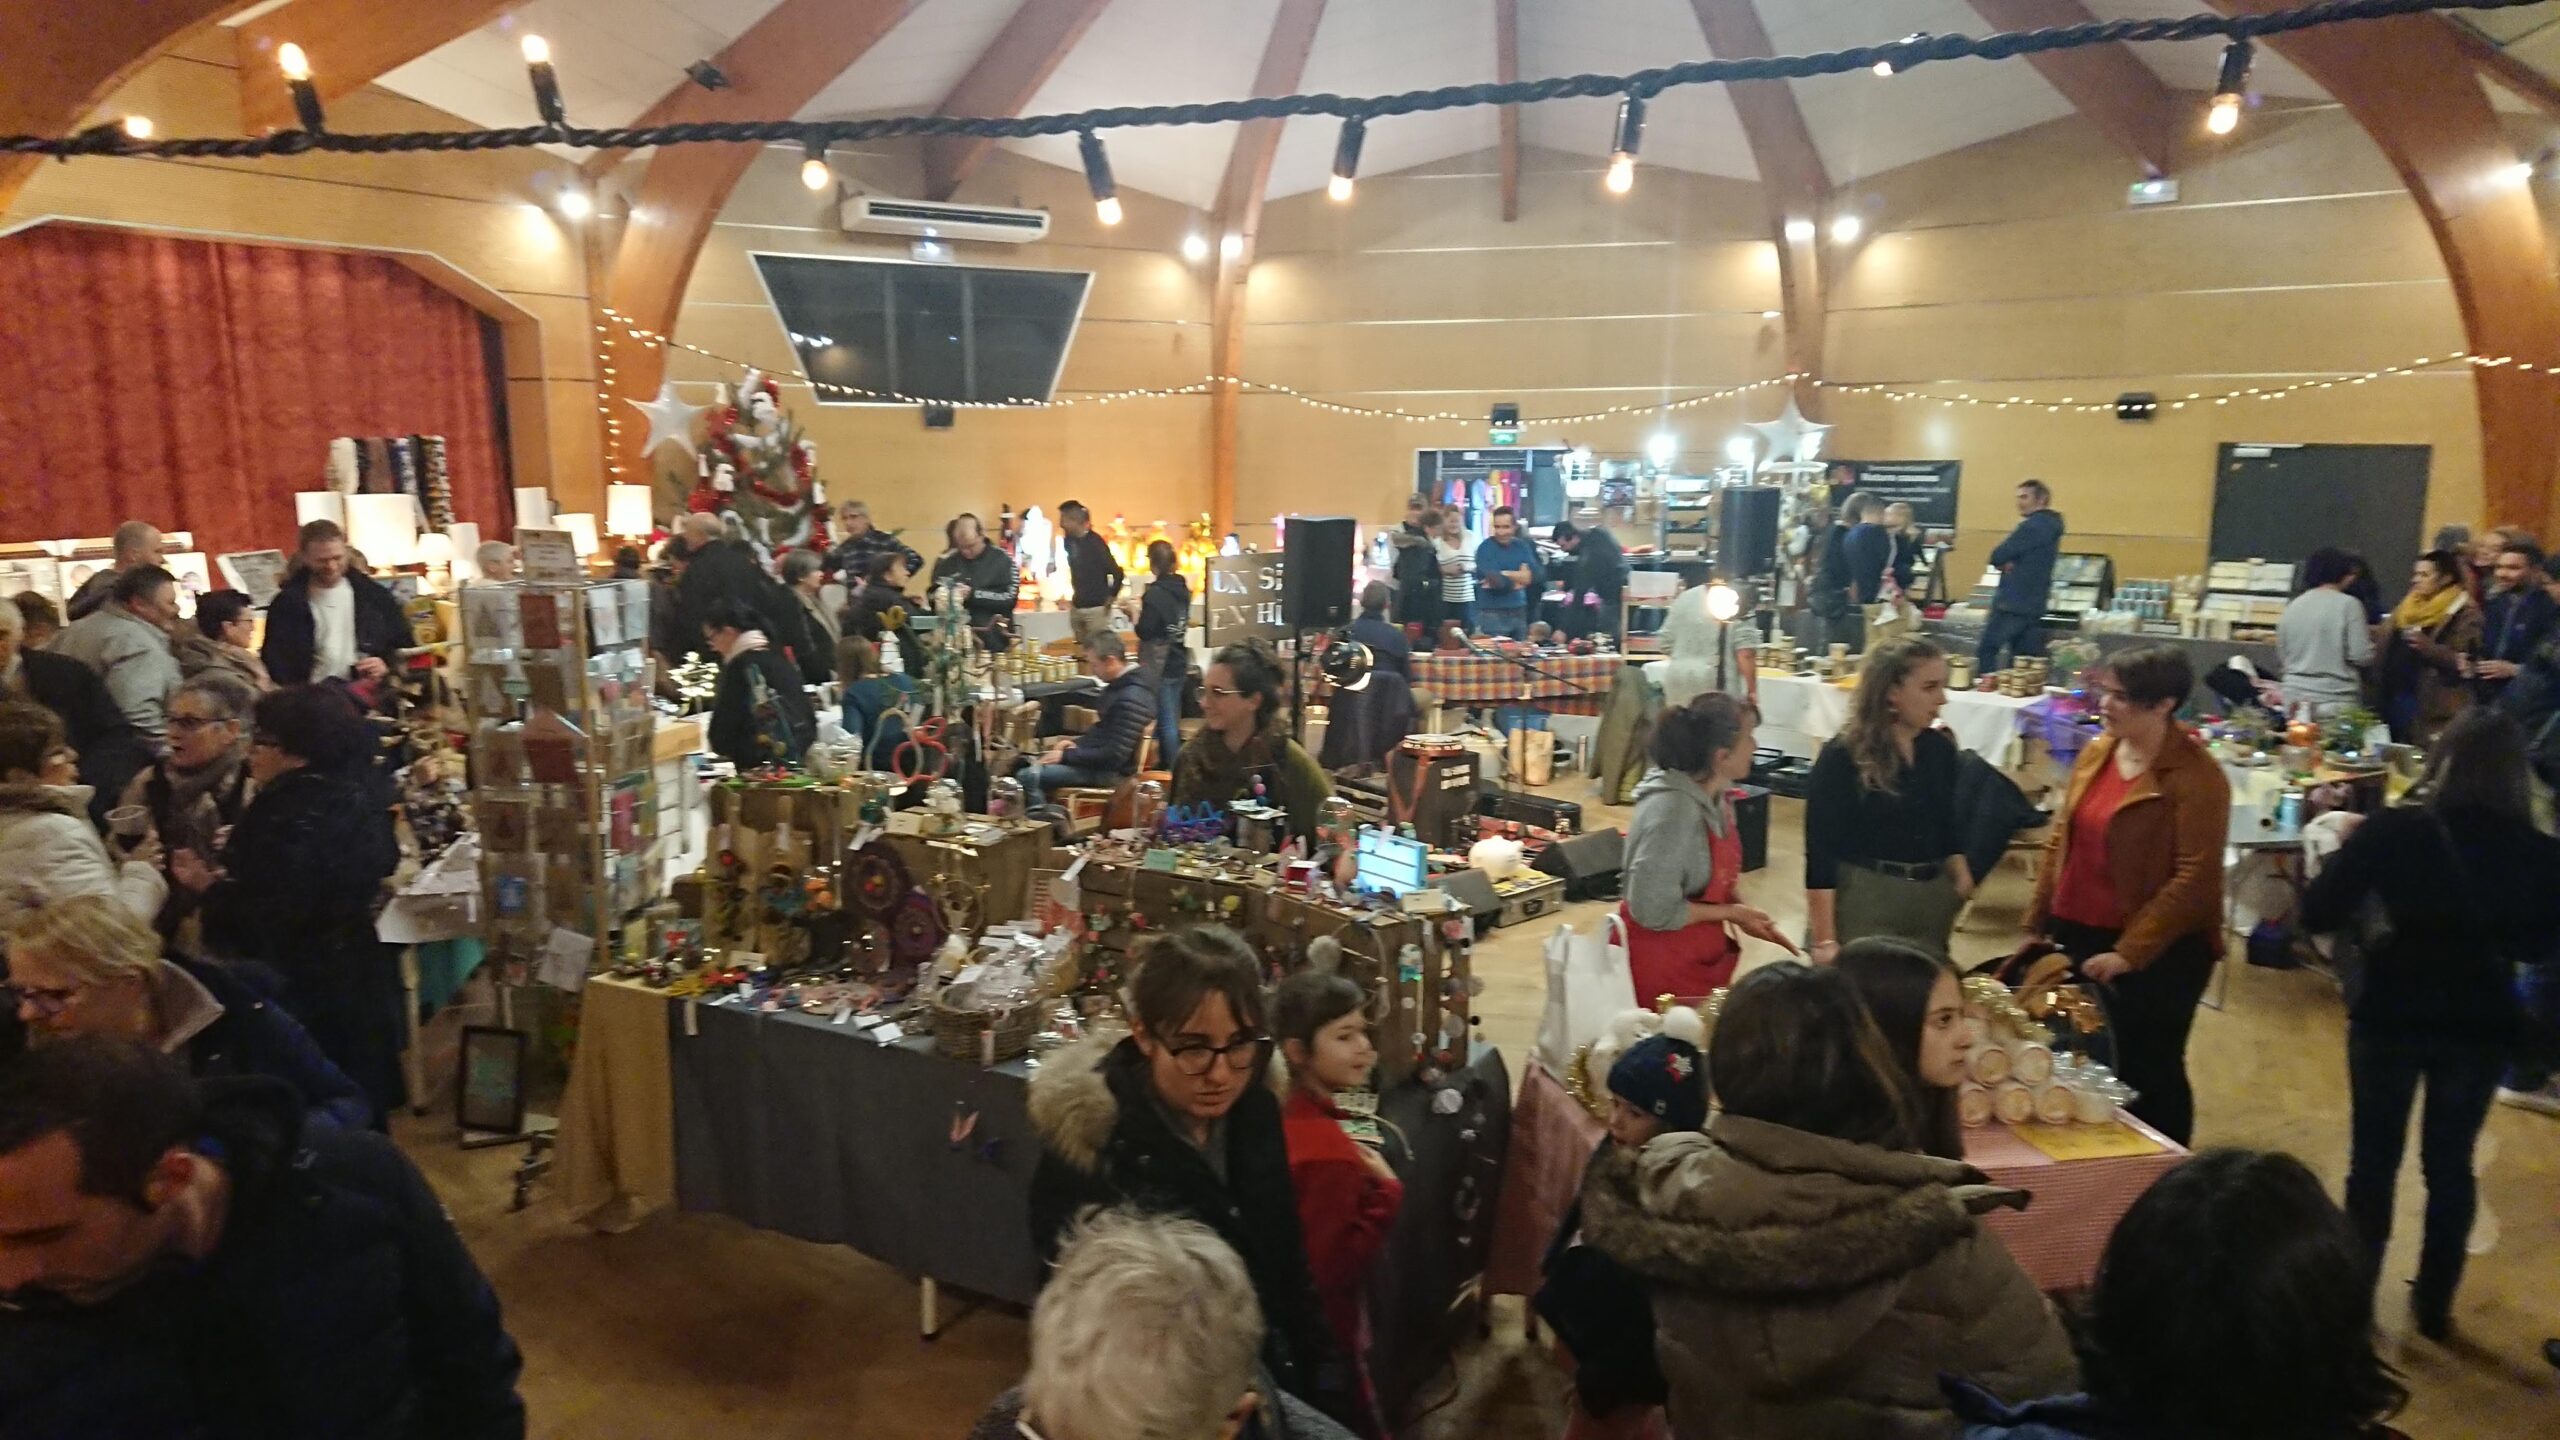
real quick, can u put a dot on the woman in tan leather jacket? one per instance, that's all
(2132, 881)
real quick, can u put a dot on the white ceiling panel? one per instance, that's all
(1865, 124)
(1380, 49)
(2194, 64)
(917, 62)
(1159, 52)
(614, 57)
(1691, 128)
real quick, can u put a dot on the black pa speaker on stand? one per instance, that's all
(1748, 543)
(1315, 578)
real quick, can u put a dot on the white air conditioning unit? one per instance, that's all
(887, 215)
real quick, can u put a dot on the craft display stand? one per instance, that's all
(556, 684)
(1422, 1006)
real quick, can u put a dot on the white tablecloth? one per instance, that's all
(1797, 715)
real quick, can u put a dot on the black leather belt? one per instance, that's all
(1902, 870)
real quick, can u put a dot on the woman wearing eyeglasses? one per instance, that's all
(86, 966)
(200, 788)
(1177, 1120)
(1243, 748)
(296, 883)
(48, 848)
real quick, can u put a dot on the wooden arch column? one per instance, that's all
(776, 68)
(2412, 87)
(1238, 218)
(65, 57)
(1792, 176)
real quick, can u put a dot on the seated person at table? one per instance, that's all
(872, 701)
(2233, 1301)
(1179, 1120)
(1812, 1272)
(760, 711)
(1388, 648)
(1600, 1310)
(1107, 753)
(1148, 1328)
(1917, 1002)
(1243, 749)
(86, 966)
(1347, 1193)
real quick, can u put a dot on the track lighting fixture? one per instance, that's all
(1097, 178)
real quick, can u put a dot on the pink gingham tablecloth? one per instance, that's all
(2057, 1240)
(1482, 680)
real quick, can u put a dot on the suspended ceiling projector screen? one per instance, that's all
(929, 332)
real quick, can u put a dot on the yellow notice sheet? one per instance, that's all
(2112, 1141)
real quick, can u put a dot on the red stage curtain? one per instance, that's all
(196, 384)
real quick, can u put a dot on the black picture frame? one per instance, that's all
(489, 1090)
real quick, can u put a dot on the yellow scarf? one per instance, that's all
(2426, 612)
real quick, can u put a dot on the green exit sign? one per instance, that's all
(1500, 436)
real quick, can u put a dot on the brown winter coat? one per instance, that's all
(1807, 1288)
(2164, 847)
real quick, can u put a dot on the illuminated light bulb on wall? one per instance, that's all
(290, 59)
(1624, 146)
(138, 127)
(2230, 88)
(1846, 228)
(1195, 247)
(1230, 246)
(1800, 230)
(813, 170)
(1662, 448)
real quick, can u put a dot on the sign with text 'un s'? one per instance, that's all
(1244, 600)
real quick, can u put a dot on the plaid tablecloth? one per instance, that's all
(2057, 1240)
(1580, 683)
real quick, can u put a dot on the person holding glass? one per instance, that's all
(2131, 886)
(1179, 1120)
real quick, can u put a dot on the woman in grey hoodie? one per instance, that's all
(1684, 854)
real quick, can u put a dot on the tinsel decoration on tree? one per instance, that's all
(759, 471)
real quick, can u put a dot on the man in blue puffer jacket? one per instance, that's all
(187, 1261)
(1106, 754)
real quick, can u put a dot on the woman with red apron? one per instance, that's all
(1683, 866)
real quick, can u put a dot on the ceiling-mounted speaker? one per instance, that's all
(2137, 405)
(937, 417)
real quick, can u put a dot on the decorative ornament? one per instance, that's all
(1791, 437)
(876, 879)
(916, 929)
(670, 419)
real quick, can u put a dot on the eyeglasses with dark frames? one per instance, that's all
(1243, 1053)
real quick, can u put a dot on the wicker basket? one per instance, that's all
(961, 1032)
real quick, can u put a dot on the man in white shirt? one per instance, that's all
(330, 622)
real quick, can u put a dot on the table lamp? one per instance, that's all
(581, 530)
(310, 505)
(627, 512)
(385, 528)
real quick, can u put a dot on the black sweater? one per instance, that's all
(2468, 899)
(1846, 821)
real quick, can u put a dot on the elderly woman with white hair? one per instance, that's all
(1149, 1330)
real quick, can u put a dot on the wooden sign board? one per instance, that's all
(550, 557)
(1927, 486)
(1244, 600)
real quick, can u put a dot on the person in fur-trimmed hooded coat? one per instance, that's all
(1808, 1285)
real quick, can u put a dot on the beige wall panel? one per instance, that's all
(1456, 205)
(1686, 355)
(568, 338)
(1730, 276)
(571, 439)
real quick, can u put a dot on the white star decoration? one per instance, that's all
(1791, 436)
(670, 419)
(1679, 1066)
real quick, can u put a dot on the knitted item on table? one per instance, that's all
(404, 464)
(436, 482)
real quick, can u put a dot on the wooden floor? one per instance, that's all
(698, 1327)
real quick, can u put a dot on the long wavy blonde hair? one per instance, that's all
(1869, 733)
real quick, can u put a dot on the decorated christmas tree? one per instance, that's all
(757, 470)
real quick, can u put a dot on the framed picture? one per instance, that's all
(490, 1098)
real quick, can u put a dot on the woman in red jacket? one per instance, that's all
(1347, 1193)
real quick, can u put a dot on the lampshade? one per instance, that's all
(435, 549)
(465, 538)
(581, 530)
(384, 527)
(533, 508)
(627, 511)
(310, 505)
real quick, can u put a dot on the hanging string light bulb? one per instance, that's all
(814, 171)
(1097, 177)
(1629, 140)
(1346, 159)
(297, 79)
(2231, 88)
(546, 82)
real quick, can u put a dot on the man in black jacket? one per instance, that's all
(760, 710)
(1094, 569)
(986, 579)
(1416, 570)
(112, 752)
(1600, 572)
(2025, 562)
(2514, 621)
(331, 622)
(862, 540)
(717, 568)
(1106, 754)
(188, 1261)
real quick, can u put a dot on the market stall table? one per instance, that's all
(1573, 684)
(2057, 1240)
(1798, 714)
(793, 1123)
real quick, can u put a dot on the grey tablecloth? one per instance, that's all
(812, 1129)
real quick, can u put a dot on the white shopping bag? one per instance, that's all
(1588, 985)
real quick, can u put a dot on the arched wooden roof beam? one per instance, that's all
(1792, 176)
(2108, 84)
(1022, 58)
(65, 57)
(352, 43)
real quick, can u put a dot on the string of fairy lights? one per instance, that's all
(2067, 405)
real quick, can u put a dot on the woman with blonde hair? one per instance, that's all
(87, 966)
(1881, 849)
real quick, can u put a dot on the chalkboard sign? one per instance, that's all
(1927, 486)
(490, 1097)
(1244, 600)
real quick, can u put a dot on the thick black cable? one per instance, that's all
(1902, 55)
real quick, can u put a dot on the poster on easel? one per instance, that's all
(550, 557)
(258, 574)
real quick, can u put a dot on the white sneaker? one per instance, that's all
(2544, 1101)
